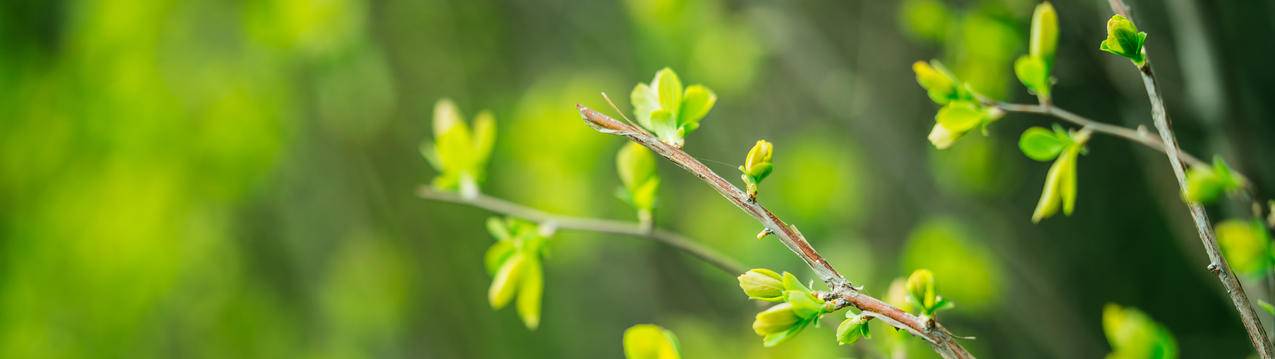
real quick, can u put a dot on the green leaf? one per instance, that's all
(792, 283)
(1044, 34)
(484, 139)
(644, 196)
(804, 304)
(1041, 144)
(1245, 245)
(635, 164)
(1050, 196)
(1067, 187)
(1034, 75)
(669, 88)
(959, 116)
(1124, 39)
(645, 101)
(1133, 334)
(941, 86)
(776, 319)
(648, 341)
(774, 339)
(696, 103)
(762, 284)
(664, 125)
(1202, 185)
(530, 292)
(505, 284)
(497, 254)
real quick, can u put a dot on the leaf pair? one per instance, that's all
(1206, 184)
(1033, 69)
(649, 341)
(514, 262)
(668, 110)
(458, 152)
(636, 167)
(798, 307)
(1060, 182)
(956, 119)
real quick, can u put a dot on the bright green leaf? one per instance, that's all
(505, 284)
(648, 341)
(1044, 34)
(530, 292)
(959, 116)
(1041, 144)
(696, 103)
(1134, 335)
(1245, 245)
(669, 88)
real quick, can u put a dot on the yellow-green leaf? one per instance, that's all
(649, 341)
(1245, 245)
(530, 292)
(696, 103)
(669, 88)
(505, 284)
(1044, 34)
(1041, 144)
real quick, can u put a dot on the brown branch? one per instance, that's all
(634, 229)
(1218, 264)
(841, 291)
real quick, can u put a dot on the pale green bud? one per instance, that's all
(1044, 33)
(762, 284)
(854, 327)
(1124, 39)
(505, 284)
(921, 288)
(776, 319)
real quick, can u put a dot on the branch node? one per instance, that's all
(1215, 268)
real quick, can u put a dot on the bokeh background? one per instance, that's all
(234, 179)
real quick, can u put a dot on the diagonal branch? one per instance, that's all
(841, 293)
(1218, 264)
(634, 229)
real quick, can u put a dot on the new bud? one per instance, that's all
(757, 166)
(854, 327)
(921, 288)
(776, 319)
(762, 284)
(1124, 39)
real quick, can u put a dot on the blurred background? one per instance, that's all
(234, 179)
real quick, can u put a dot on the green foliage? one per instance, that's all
(922, 296)
(757, 165)
(925, 19)
(1133, 335)
(939, 83)
(1033, 69)
(1124, 40)
(649, 341)
(1060, 181)
(956, 119)
(515, 264)
(458, 152)
(636, 166)
(1206, 184)
(972, 274)
(854, 327)
(1246, 246)
(800, 307)
(668, 110)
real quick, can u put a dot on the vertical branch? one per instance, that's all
(1217, 263)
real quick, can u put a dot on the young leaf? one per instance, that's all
(1044, 34)
(762, 284)
(505, 284)
(1034, 75)
(1133, 334)
(959, 116)
(940, 85)
(696, 103)
(649, 341)
(1041, 144)
(496, 255)
(529, 294)
(669, 88)
(1245, 245)
(1124, 39)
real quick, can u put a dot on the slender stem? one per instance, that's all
(841, 291)
(634, 229)
(1218, 264)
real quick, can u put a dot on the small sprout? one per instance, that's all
(1206, 184)
(956, 119)
(799, 308)
(458, 153)
(922, 296)
(757, 166)
(514, 262)
(854, 327)
(636, 166)
(669, 111)
(939, 83)
(1134, 335)
(762, 284)
(1033, 69)
(649, 341)
(1124, 40)
(1060, 182)
(1246, 246)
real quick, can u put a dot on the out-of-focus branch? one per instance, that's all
(634, 229)
(841, 293)
(1218, 264)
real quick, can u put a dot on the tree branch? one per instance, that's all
(1218, 264)
(634, 229)
(841, 291)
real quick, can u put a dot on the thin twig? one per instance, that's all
(634, 229)
(839, 287)
(1218, 264)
